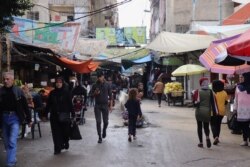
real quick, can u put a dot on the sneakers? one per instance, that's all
(104, 134)
(66, 146)
(200, 145)
(129, 139)
(57, 152)
(216, 141)
(208, 143)
(134, 137)
(244, 143)
(99, 140)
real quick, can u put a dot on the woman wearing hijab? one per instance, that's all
(59, 101)
(220, 100)
(242, 106)
(203, 111)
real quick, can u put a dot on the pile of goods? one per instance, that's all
(175, 88)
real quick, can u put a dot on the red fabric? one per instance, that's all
(239, 17)
(79, 67)
(240, 46)
(202, 79)
(195, 95)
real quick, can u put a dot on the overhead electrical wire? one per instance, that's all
(90, 14)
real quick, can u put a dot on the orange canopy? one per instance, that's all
(239, 17)
(77, 66)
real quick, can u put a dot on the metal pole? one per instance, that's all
(220, 23)
(1, 52)
(220, 12)
(193, 11)
(8, 52)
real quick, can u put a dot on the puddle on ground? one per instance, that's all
(152, 163)
(118, 126)
(145, 125)
(152, 112)
(153, 125)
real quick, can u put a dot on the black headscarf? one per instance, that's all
(245, 86)
(218, 86)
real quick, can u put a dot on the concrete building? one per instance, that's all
(39, 12)
(75, 10)
(108, 18)
(80, 11)
(180, 15)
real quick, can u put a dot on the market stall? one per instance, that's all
(174, 93)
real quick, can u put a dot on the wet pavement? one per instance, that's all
(169, 140)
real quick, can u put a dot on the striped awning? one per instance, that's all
(214, 50)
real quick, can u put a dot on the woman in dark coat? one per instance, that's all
(203, 111)
(59, 101)
(134, 111)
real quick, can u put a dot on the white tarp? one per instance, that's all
(227, 34)
(176, 43)
(90, 47)
(241, 1)
(223, 29)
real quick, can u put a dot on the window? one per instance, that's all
(181, 28)
(33, 15)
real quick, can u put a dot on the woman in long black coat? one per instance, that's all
(59, 101)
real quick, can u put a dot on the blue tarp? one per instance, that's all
(143, 60)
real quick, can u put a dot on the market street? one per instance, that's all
(169, 141)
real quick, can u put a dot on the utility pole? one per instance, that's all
(193, 10)
(1, 51)
(220, 12)
(8, 51)
(220, 23)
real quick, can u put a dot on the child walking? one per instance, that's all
(134, 112)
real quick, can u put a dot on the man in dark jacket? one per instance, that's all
(102, 93)
(14, 111)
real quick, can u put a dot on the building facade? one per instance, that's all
(179, 15)
(39, 12)
(82, 11)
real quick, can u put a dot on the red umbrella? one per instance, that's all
(240, 47)
(213, 52)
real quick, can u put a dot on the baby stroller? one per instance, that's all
(79, 109)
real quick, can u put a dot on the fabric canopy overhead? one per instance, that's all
(79, 67)
(129, 63)
(241, 1)
(223, 31)
(240, 47)
(123, 53)
(176, 43)
(76, 66)
(90, 47)
(214, 50)
(241, 16)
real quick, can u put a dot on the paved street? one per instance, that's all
(169, 141)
